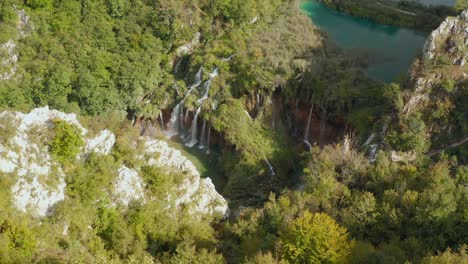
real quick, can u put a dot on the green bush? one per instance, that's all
(66, 142)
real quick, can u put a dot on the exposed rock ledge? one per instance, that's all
(40, 181)
(447, 43)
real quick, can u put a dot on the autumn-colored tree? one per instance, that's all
(315, 238)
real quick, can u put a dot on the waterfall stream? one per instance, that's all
(306, 134)
(270, 167)
(202, 137)
(161, 119)
(208, 141)
(173, 125)
(193, 138)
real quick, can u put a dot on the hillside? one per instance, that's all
(115, 113)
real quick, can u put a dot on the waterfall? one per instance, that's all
(193, 138)
(227, 59)
(270, 168)
(247, 113)
(181, 118)
(186, 116)
(369, 139)
(258, 101)
(173, 125)
(177, 66)
(373, 152)
(162, 120)
(208, 141)
(207, 85)
(306, 134)
(202, 137)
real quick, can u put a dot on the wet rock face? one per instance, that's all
(40, 181)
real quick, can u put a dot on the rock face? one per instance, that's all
(443, 60)
(40, 181)
(201, 193)
(9, 62)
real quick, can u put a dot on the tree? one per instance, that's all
(461, 5)
(315, 238)
(66, 142)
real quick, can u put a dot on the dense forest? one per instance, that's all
(318, 162)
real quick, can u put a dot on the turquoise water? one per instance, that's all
(391, 49)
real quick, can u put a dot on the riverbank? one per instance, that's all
(403, 14)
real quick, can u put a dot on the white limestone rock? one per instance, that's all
(189, 47)
(129, 186)
(40, 181)
(201, 193)
(102, 143)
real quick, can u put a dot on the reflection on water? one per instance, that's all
(390, 49)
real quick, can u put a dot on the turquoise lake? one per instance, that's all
(391, 48)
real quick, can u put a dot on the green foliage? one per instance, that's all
(315, 238)
(66, 142)
(461, 5)
(425, 17)
(38, 3)
(17, 242)
(447, 257)
(187, 253)
(411, 135)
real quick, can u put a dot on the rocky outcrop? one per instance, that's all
(200, 193)
(443, 60)
(40, 180)
(9, 62)
(189, 47)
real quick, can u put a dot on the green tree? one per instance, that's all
(315, 238)
(66, 141)
(461, 5)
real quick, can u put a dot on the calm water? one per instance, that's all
(391, 48)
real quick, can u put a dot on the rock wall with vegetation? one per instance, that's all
(319, 163)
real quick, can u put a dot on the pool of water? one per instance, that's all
(391, 49)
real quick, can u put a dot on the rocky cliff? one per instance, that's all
(39, 181)
(439, 81)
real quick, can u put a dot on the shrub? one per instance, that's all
(66, 142)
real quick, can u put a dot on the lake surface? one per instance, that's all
(391, 48)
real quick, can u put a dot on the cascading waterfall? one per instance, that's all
(306, 134)
(173, 125)
(208, 141)
(186, 116)
(193, 139)
(202, 137)
(181, 118)
(208, 85)
(161, 119)
(270, 167)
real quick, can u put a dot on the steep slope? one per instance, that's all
(40, 179)
(434, 109)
